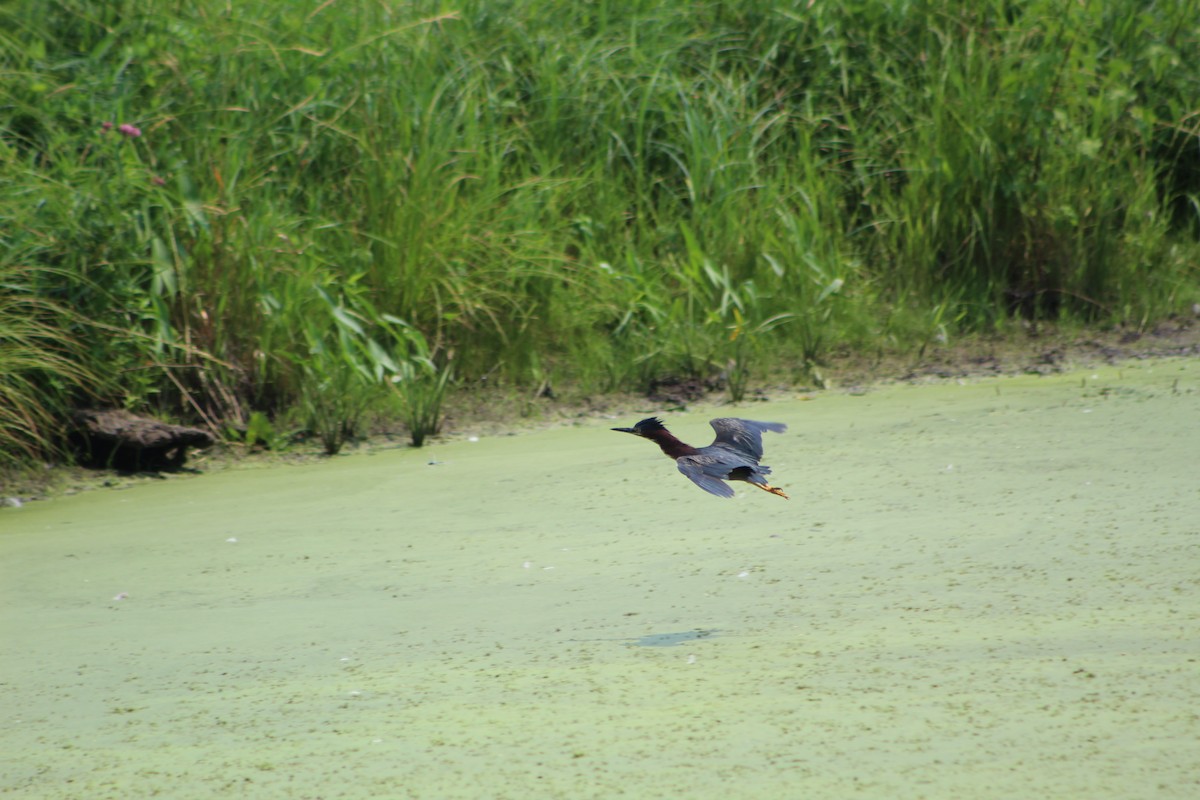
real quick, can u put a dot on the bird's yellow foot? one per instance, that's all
(772, 490)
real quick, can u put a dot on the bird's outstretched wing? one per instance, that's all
(743, 435)
(704, 471)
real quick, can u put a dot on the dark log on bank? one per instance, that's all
(120, 440)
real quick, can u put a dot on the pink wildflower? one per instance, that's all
(106, 126)
(130, 131)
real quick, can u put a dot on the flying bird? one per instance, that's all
(733, 455)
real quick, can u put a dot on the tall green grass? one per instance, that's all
(40, 371)
(600, 194)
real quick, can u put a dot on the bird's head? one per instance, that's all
(646, 428)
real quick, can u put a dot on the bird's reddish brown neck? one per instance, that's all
(670, 445)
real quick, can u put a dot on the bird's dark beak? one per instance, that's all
(626, 430)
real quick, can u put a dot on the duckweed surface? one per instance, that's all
(988, 590)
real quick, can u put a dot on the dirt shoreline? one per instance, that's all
(1040, 351)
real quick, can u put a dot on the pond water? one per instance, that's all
(989, 590)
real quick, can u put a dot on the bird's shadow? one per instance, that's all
(671, 639)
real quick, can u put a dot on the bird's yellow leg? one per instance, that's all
(772, 489)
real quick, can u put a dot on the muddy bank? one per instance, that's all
(977, 590)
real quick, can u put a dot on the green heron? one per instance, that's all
(733, 455)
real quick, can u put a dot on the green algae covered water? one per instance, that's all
(988, 590)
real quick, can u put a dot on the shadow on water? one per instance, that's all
(662, 639)
(670, 639)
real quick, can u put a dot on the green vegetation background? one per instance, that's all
(320, 210)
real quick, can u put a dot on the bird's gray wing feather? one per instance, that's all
(705, 472)
(744, 435)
